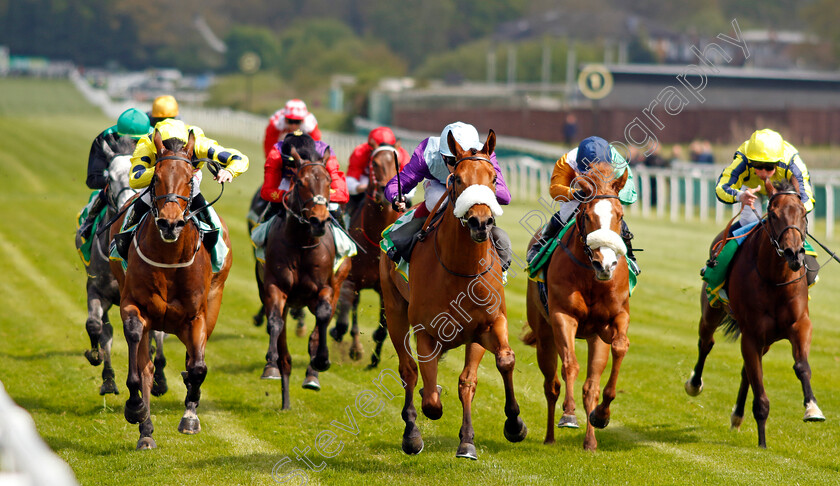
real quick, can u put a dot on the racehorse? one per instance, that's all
(168, 286)
(103, 291)
(366, 225)
(768, 302)
(255, 212)
(456, 260)
(298, 271)
(587, 297)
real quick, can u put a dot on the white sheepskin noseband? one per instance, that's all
(606, 237)
(477, 194)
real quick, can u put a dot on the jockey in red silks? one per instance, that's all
(292, 117)
(278, 175)
(358, 169)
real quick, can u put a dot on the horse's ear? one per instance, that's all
(158, 142)
(618, 184)
(398, 144)
(490, 144)
(327, 155)
(190, 144)
(795, 182)
(295, 156)
(453, 145)
(768, 185)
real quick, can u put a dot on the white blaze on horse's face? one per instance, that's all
(606, 241)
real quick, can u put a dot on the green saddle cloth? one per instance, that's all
(84, 249)
(344, 245)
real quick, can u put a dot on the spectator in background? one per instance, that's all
(653, 156)
(570, 129)
(700, 151)
(677, 154)
(294, 116)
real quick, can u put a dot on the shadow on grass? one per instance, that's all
(44, 355)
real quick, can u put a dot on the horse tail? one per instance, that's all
(529, 337)
(731, 329)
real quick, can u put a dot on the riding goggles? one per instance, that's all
(770, 166)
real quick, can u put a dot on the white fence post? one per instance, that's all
(704, 199)
(675, 197)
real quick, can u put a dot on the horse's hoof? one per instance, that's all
(466, 451)
(598, 422)
(189, 425)
(94, 357)
(146, 443)
(568, 422)
(159, 386)
(356, 353)
(433, 412)
(374, 362)
(813, 413)
(300, 330)
(270, 373)
(319, 364)
(515, 430)
(691, 389)
(135, 413)
(311, 383)
(109, 386)
(258, 320)
(335, 334)
(412, 445)
(735, 421)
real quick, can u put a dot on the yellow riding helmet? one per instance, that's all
(165, 107)
(765, 146)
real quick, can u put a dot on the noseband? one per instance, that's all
(316, 200)
(170, 197)
(580, 224)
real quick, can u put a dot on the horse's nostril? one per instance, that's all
(491, 222)
(180, 223)
(473, 222)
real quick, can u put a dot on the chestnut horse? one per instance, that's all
(456, 260)
(366, 226)
(768, 302)
(168, 286)
(102, 288)
(298, 271)
(587, 298)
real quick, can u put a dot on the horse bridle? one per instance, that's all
(316, 200)
(373, 185)
(170, 197)
(771, 232)
(580, 225)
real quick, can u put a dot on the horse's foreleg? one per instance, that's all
(497, 342)
(598, 356)
(800, 340)
(379, 336)
(323, 313)
(751, 353)
(106, 339)
(159, 387)
(133, 328)
(547, 361)
(467, 383)
(342, 311)
(195, 340)
(428, 353)
(565, 327)
(275, 305)
(710, 319)
(144, 364)
(94, 324)
(356, 349)
(260, 315)
(600, 417)
(737, 416)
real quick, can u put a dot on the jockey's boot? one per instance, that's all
(404, 239)
(627, 236)
(501, 241)
(123, 240)
(549, 231)
(274, 208)
(338, 217)
(95, 208)
(812, 268)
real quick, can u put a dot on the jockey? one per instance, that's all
(358, 169)
(119, 139)
(431, 163)
(163, 107)
(572, 164)
(765, 156)
(143, 161)
(292, 117)
(278, 173)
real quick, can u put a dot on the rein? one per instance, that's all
(774, 238)
(163, 265)
(318, 199)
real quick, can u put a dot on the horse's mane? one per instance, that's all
(174, 144)
(784, 185)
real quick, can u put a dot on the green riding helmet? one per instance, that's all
(133, 123)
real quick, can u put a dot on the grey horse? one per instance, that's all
(103, 290)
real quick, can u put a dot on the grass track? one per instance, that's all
(658, 435)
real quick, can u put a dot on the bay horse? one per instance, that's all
(366, 225)
(587, 297)
(103, 291)
(768, 302)
(168, 286)
(298, 271)
(255, 212)
(454, 260)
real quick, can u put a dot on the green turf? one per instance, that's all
(658, 435)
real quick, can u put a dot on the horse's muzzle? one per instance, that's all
(317, 227)
(795, 259)
(602, 273)
(480, 229)
(170, 231)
